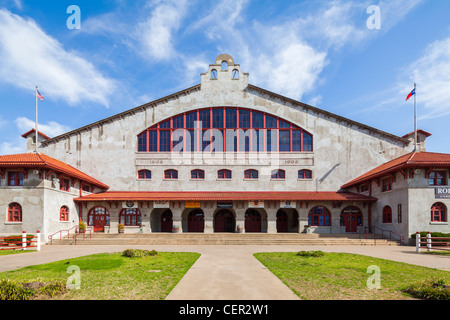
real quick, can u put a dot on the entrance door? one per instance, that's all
(98, 218)
(196, 221)
(282, 221)
(166, 221)
(224, 221)
(252, 221)
(351, 218)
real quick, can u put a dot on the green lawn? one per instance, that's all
(110, 276)
(343, 276)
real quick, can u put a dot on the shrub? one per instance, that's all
(21, 290)
(138, 253)
(316, 254)
(432, 289)
(17, 239)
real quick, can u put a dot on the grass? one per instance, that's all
(343, 276)
(111, 276)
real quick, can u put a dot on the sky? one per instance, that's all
(358, 59)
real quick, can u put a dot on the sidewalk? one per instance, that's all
(227, 272)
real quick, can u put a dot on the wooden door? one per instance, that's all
(224, 221)
(282, 222)
(166, 221)
(252, 221)
(196, 221)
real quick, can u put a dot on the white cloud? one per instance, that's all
(51, 129)
(19, 145)
(30, 56)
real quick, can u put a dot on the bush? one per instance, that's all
(17, 239)
(316, 254)
(432, 289)
(20, 290)
(138, 253)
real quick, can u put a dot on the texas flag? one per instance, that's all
(38, 94)
(411, 94)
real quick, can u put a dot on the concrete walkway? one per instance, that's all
(227, 272)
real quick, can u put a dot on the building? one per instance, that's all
(226, 156)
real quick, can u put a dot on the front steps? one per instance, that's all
(223, 239)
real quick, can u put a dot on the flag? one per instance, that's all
(411, 94)
(38, 94)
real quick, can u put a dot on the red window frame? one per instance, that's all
(386, 184)
(319, 216)
(278, 174)
(130, 217)
(290, 137)
(198, 174)
(387, 214)
(304, 174)
(171, 174)
(438, 178)
(14, 212)
(64, 184)
(15, 178)
(251, 174)
(224, 174)
(438, 212)
(64, 213)
(144, 174)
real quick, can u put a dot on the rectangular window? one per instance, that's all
(164, 141)
(15, 179)
(296, 140)
(438, 178)
(386, 184)
(244, 119)
(178, 122)
(191, 118)
(142, 142)
(257, 120)
(271, 122)
(364, 187)
(285, 140)
(231, 121)
(205, 118)
(64, 184)
(218, 118)
(399, 213)
(152, 141)
(307, 142)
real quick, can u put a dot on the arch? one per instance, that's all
(235, 74)
(130, 217)
(220, 129)
(14, 212)
(304, 174)
(387, 214)
(166, 221)
(351, 218)
(319, 216)
(439, 212)
(171, 174)
(144, 174)
(198, 174)
(213, 74)
(251, 174)
(64, 213)
(196, 221)
(224, 65)
(98, 218)
(224, 174)
(224, 221)
(252, 221)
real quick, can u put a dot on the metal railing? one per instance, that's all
(60, 232)
(89, 231)
(382, 234)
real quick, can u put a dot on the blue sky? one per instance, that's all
(127, 53)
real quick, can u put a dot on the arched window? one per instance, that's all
(387, 214)
(130, 217)
(224, 65)
(235, 74)
(236, 130)
(64, 213)
(319, 216)
(213, 74)
(14, 212)
(224, 174)
(98, 217)
(171, 174)
(251, 174)
(144, 174)
(304, 174)
(198, 174)
(439, 212)
(278, 174)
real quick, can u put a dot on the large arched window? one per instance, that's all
(319, 216)
(14, 212)
(130, 217)
(439, 212)
(387, 214)
(222, 129)
(64, 213)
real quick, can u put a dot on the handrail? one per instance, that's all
(366, 232)
(50, 237)
(390, 233)
(84, 235)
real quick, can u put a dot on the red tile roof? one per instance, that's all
(42, 161)
(26, 134)
(410, 160)
(427, 134)
(224, 196)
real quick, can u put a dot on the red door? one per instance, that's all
(351, 217)
(98, 218)
(166, 221)
(282, 225)
(252, 221)
(196, 221)
(224, 221)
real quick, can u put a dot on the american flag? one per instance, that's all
(38, 94)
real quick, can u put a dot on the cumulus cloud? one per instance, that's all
(51, 129)
(30, 56)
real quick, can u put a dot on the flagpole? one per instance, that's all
(415, 118)
(37, 134)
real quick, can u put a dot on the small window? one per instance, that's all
(15, 178)
(364, 187)
(235, 74)
(64, 184)
(224, 174)
(251, 174)
(14, 212)
(305, 174)
(438, 178)
(278, 174)
(64, 214)
(386, 184)
(198, 174)
(213, 74)
(171, 174)
(144, 174)
(399, 213)
(86, 188)
(439, 212)
(387, 214)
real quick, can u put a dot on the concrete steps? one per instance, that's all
(222, 239)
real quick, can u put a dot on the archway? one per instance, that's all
(282, 221)
(224, 221)
(351, 218)
(98, 218)
(252, 221)
(196, 221)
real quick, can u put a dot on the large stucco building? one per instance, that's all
(226, 156)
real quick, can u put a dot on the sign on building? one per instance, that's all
(129, 204)
(256, 204)
(192, 204)
(288, 204)
(161, 204)
(442, 193)
(227, 204)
